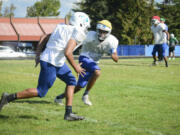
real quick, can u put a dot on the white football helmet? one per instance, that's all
(172, 35)
(80, 20)
(103, 29)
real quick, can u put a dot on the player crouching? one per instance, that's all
(94, 46)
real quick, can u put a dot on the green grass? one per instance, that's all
(130, 98)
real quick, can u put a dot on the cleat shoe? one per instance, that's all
(73, 117)
(155, 63)
(58, 101)
(4, 100)
(166, 64)
(86, 100)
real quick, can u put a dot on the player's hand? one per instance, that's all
(37, 60)
(79, 70)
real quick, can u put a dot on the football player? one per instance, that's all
(93, 47)
(172, 44)
(60, 46)
(162, 20)
(159, 29)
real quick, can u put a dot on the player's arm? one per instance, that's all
(69, 55)
(114, 45)
(176, 41)
(167, 33)
(115, 57)
(40, 47)
(152, 39)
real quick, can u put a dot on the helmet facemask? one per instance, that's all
(155, 21)
(102, 31)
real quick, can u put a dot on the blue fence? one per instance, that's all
(141, 50)
(133, 50)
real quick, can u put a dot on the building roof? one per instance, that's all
(26, 29)
(7, 33)
(48, 25)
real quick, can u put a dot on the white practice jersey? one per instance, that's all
(159, 35)
(164, 34)
(55, 48)
(94, 49)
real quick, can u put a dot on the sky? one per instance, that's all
(21, 5)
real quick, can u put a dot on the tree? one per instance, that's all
(1, 7)
(44, 8)
(130, 19)
(171, 12)
(96, 9)
(134, 21)
(9, 11)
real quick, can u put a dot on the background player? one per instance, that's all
(159, 29)
(172, 44)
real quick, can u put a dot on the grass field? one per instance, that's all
(130, 98)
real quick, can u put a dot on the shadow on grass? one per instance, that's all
(28, 117)
(3, 117)
(33, 102)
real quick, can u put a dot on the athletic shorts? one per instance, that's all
(90, 66)
(48, 75)
(164, 47)
(160, 48)
(171, 49)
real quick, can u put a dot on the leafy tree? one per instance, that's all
(96, 9)
(130, 19)
(134, 21)
(168, 1)
(44, 8)
(1, 7)
(171, 12)
(9, 11)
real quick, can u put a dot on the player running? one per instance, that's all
(159, 30)
(60, 46)
(94, 46)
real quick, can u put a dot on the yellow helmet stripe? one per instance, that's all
(106, 23)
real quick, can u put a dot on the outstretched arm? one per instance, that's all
(115, 57)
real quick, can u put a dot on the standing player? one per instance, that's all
(172, 44)
(159, 29)
(52, 61)
(94, 46)
(160, 57)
